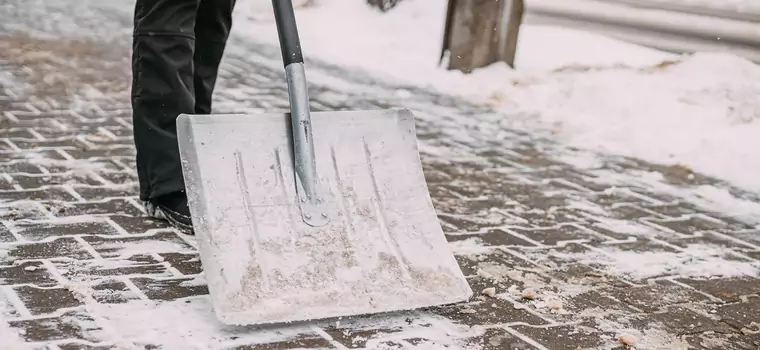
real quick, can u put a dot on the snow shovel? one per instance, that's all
(302, 216)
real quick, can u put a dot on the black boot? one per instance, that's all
(172, 208)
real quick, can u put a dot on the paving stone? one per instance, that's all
(574, 264)
(689, 224)
(42, 301)
(6, 184)
(709, 239)
(742, 315)
(31, 272)
(43, 157)
(462, 223)
(755, 254)
(497, 339)
(91, 126)
(500, 285)
(69, 325)
(47, 194)
(141, 264)
(434, 176)
(555, 257)
(609, 198)
(188, 264)
(119, 177)
(19, 167)
(712, 341)
(129, 164)
(23, 211)
(726, 289)
(119, 131)
(119, 151)
(681, 321)
(567, 337)
(643, 245)
(592, 303)
(671, 210)
(748, 236)
(113, 292)
(632, 212)
(5, 234)
(70, 166)
(488, 312)
(302, 342)
(625, 232)
(138, 224)
(659, 294)
(35, 231)
(472, 264)
(99, 193)
(34, 144)
(492, 237)
(126, 246)
(58, 248)
(538, 203)
(169, 289)
(558, 235)
(106, 207)
(364, 332)
(13, 133)
(32, 182)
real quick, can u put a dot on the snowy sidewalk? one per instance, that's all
(580, 248)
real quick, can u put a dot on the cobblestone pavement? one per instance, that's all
(580, 248)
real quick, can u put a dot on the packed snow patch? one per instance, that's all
(10, 337)
(626, 227)
(708, 197)
(695, 261)
(700, 111)
(199, 328)
(469, 246)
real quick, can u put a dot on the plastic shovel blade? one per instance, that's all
(383, 249)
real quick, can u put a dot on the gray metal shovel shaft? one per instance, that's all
(313, 207)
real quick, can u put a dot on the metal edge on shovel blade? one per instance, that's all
(382, 251)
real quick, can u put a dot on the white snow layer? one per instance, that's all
(589, 91)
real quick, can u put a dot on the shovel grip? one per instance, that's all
(287, 31)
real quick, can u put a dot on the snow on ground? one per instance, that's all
(200, 329)
(10, 338)
(588, 91)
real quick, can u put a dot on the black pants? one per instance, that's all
(176, 50)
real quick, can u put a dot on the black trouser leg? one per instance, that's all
(162, 88)
(212, 28)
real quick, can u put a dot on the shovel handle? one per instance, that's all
(310, 195)
(287, 31)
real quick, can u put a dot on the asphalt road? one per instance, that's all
(672, 28)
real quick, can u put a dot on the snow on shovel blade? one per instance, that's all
(382, 250)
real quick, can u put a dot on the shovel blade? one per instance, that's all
(382, 250)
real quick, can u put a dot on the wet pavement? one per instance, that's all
(580, 249)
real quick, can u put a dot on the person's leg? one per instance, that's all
(212, 28)
(162, 88)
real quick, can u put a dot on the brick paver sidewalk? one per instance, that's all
(577, 254)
